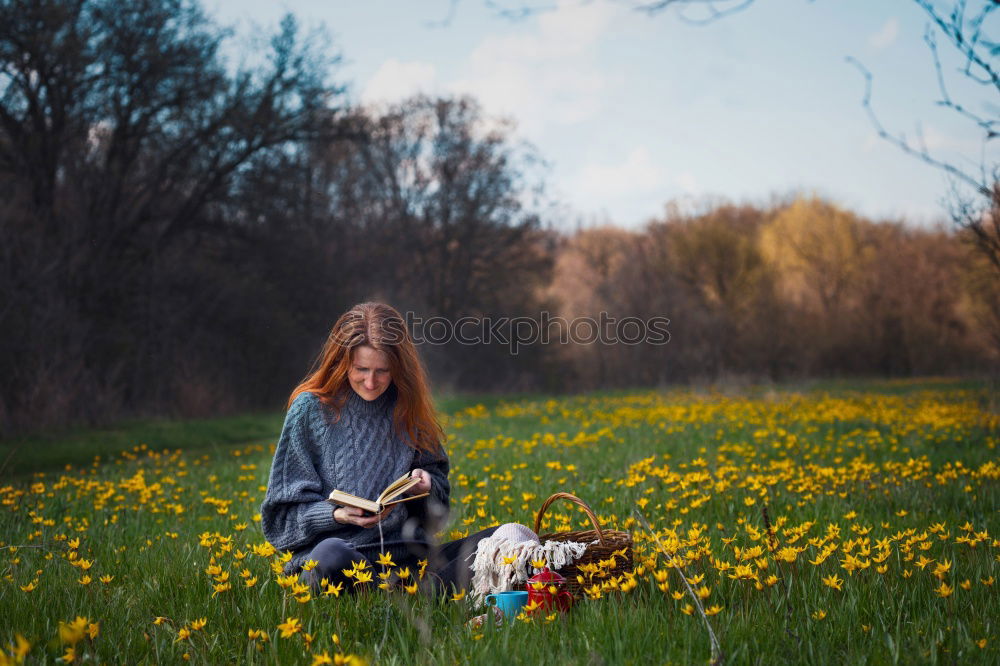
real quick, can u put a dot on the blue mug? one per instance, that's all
(510, 602)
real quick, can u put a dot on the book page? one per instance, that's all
(398, 487)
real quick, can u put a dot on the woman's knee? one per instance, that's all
(332, 556)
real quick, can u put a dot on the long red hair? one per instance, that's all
(382, 327)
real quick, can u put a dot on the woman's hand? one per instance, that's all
(349, 515)
(425, 482)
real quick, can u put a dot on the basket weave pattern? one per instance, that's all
(608, 541)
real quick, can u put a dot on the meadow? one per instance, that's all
(845, 524)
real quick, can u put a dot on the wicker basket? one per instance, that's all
(609, 541)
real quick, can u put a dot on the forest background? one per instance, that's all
(178, 233)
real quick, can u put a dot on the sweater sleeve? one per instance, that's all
(436, 464)
(295, 510)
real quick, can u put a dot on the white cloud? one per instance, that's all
(688, 183)
(929, 137)
(395, 80)
(886, 35)
(935, 139)
(638, 173)
(545, 74)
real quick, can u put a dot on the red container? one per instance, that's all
(546, 592)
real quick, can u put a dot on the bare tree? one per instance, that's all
(122, 132)
(690, 11)
(966, 31)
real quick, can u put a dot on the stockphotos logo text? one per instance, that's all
(517, 332)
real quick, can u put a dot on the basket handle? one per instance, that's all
(575, 500)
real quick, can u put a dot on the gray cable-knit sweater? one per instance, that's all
(361, 454)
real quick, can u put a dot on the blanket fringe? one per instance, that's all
(491, 574)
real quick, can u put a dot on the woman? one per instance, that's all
(358, 422)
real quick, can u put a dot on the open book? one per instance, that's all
(391, 495)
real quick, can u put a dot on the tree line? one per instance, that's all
(178, 232)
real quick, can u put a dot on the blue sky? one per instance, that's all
(632, 111)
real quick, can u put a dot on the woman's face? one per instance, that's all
(369, 375)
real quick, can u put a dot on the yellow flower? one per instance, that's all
(385, 560)
(942, 568)
(183, 634)
(290, 627)
(714, 610)
(787, 554)
(688, 609)
(30, 586)
(458, 596)
(250, 582)
(981, 643)
(411, 589)
(943, 590)
(538, 564)
(86, 580)
(833, 581)
(334, 590)
(309, 565)
(509, 560)
(819, 614)
(159, 620)
(965, 584)
(199, 624)
(70, 655)
(72, 632)
(106, 579)
(93, 629)
(363, 577)
(20, 649)
(320, 659)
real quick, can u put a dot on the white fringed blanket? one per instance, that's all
(491, 574)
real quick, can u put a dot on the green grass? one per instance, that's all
(76, 447)
(876, 460)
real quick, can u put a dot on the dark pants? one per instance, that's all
(449, 565)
